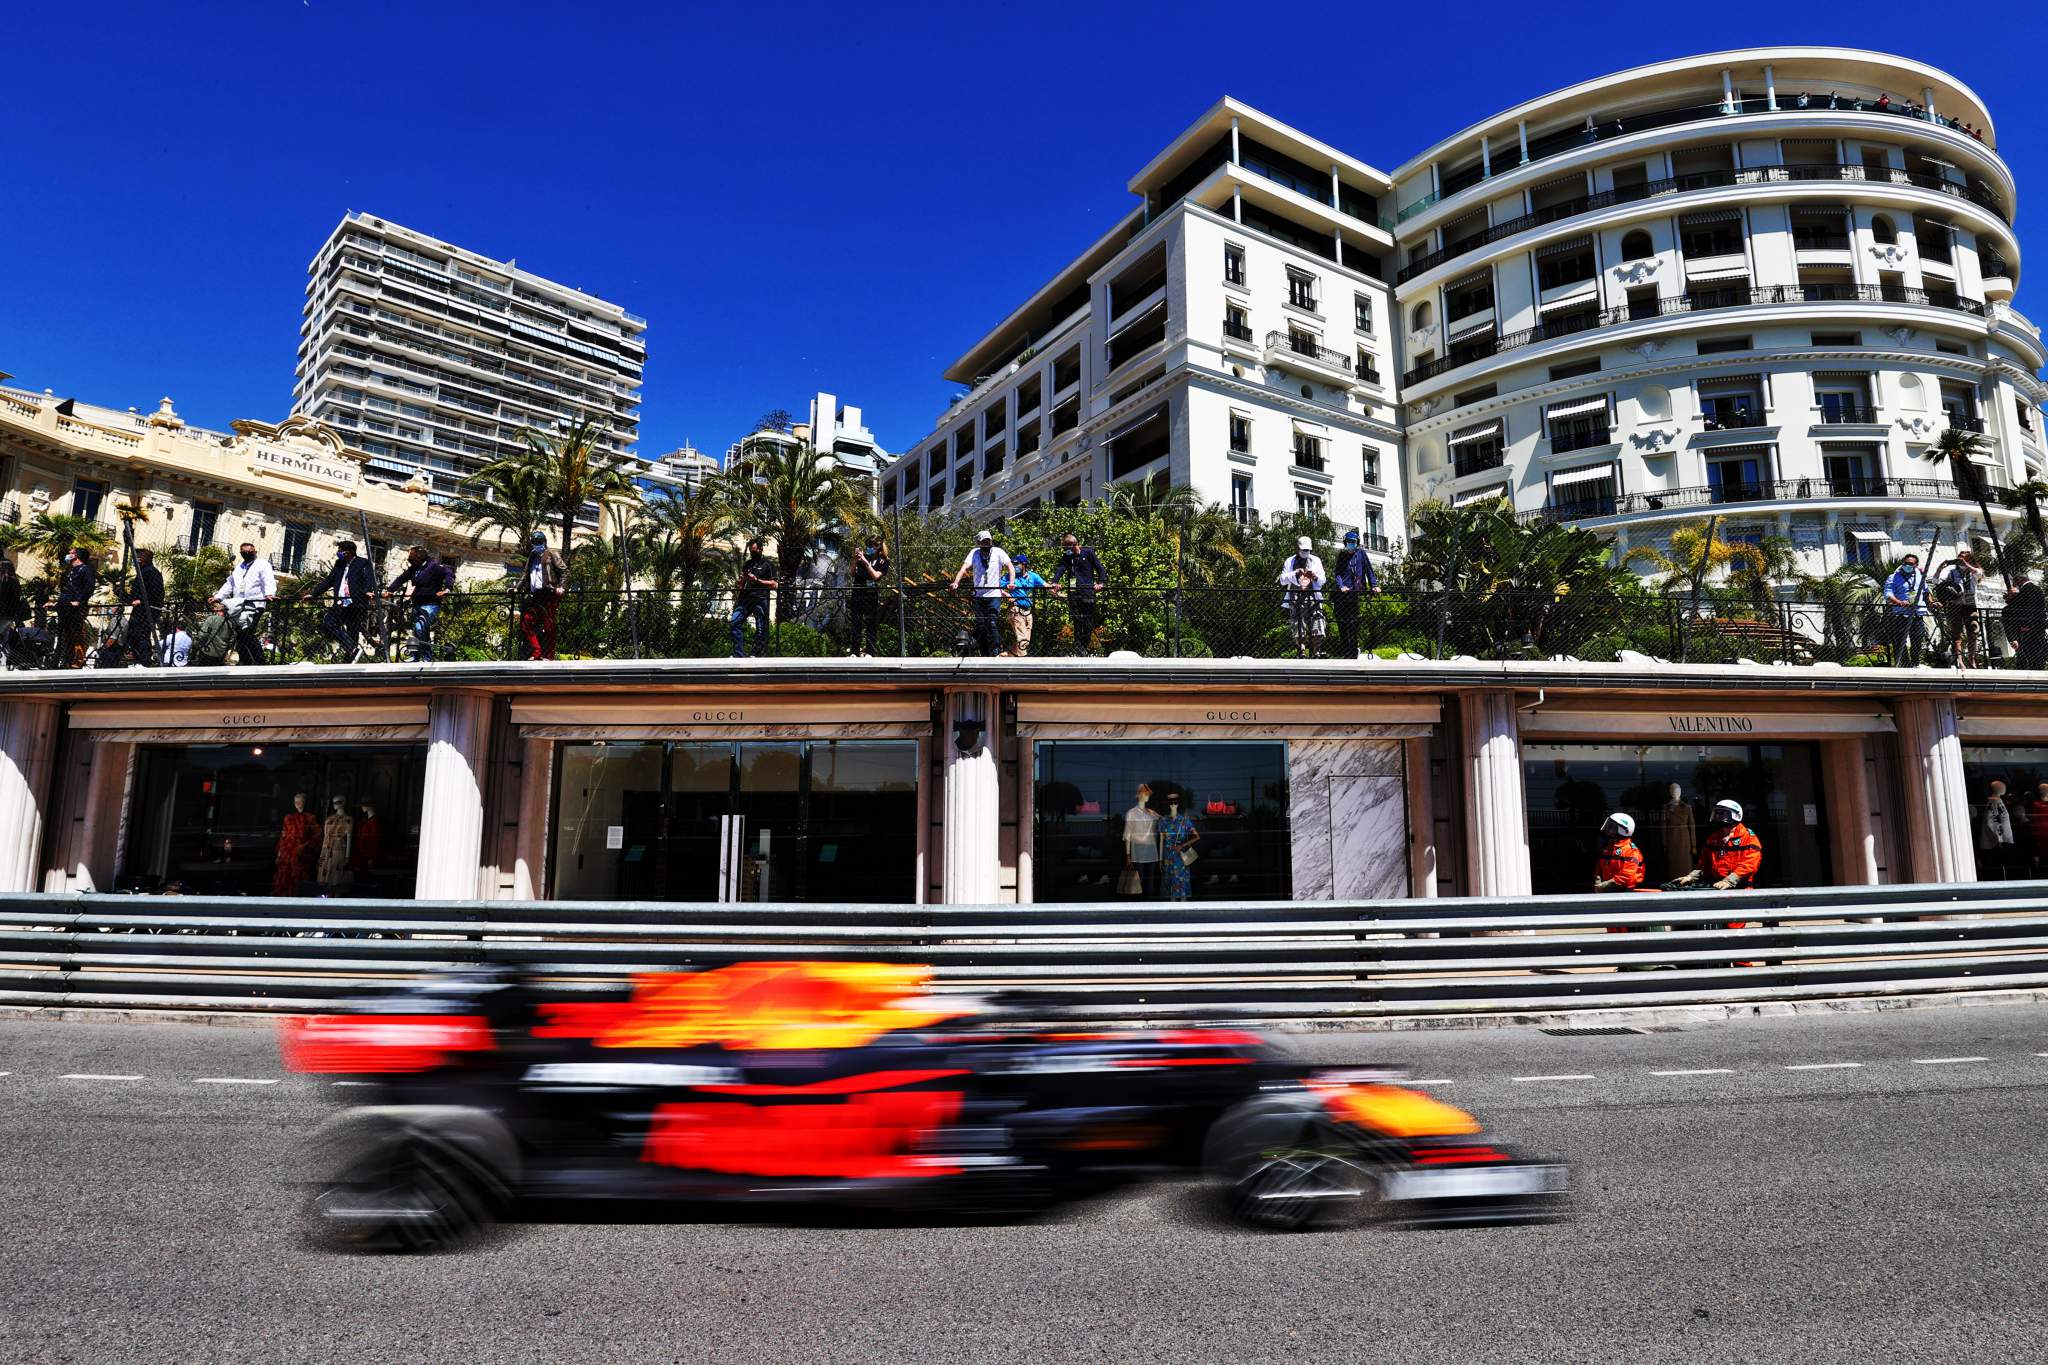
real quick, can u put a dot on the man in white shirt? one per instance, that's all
(992, 573)
(250, 587)
(1301, 578)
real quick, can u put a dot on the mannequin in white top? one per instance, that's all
(1141, 841)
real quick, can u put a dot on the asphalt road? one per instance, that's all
(1822, 1188)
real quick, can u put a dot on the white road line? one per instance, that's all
(2, 1073)
(339, 1084)
(1940, 1061)
(1576, 1076)
(1824, 1066)
(91, 1076)
(230, 1080)
(1704, 1071)
(6, 1073)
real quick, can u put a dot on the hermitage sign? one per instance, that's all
(319, 466)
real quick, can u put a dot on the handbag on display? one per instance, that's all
(1187, 857)
(1130, 883)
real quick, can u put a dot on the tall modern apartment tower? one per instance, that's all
(432, 358)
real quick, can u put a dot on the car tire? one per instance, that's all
(1280, 1168)
(400, 1185)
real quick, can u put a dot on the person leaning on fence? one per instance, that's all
(864, 600)
(1081, 574)
(757, 580)
(988, 565)
(421, 586)
(213, 635)
(354, 587)
(145, 599)
(1301, 579)
(1349, 585)
(14, 614)
(540, 587)
(74, 603)
(2025, 615)
(1023, 598)
(250, 588)
(1955, 588)
(1905, 613)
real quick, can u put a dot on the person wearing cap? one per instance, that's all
(1080, 571)
(990, 568)
(1730, 856)
(541, 582)
(1352, 580)
(1620, 864)
(757, 580)
(1302, 579)
(1023, 594)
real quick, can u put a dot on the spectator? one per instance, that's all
(1995, 836)
(864, 601)
(145, 597)
(1302, 579)
(1955, 588)
(74, 601)
(2026, 620)
(989, 566)
(354, 587)
(250, 588)
(213, 635)
(13, 610)
(757, 580)
(1023, 590)
(1905, 613)
(1884, 103)
(1803, 100)
(542, 581)
(1080, 572)
(177, 651)
(424, 582)
(1353, 580)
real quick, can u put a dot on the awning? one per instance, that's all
(1869, 537)
(1706, 217)
(1308, 428)
(1129, 427)
(1580, 291)
(1574, 407)
(1467, 280)
(1479, 433)
(1717, 276)
(1590, 474)
(1137, 319)
(1486, 494)
(1565, 248)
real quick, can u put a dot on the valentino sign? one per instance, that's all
(1712, 725)
(306, 464)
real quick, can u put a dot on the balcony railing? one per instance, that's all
(1237, 331)
(1734, 419)
(1309, 457)
(1697, 181)
(1958, 422)
(1780, 490)
(1847, 414)
(1696, 302)
(1280, 345)
(1477, 459)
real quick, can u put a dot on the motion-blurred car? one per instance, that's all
(851, 1083)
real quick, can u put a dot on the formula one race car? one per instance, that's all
(851, 1083)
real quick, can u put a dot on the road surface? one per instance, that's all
(1821, 1187)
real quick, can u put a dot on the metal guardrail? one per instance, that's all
(1156, 960)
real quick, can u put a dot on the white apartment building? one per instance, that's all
(432, 358)
(681, 468)
(1230, 334)
(1755, 285)
(835, 430)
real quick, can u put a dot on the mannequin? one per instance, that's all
(1681, 838)
(298, 843)
(368, 843)
(336, 835)
(1141, 841)
(1177, 839)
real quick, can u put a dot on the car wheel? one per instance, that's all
(1281, 1170)
(400, 1191)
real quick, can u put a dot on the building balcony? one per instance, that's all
(1690, 501)
(1291, 351)
(1848, 415)
(1699, 301)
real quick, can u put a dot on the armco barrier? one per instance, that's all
(1122, 960)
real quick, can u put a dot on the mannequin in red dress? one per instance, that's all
(298, 843)
(369, 841)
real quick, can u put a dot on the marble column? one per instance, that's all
(92, 845)
(1938, 846)
(970, 865)
(28, 743)
(452, 806)
(1496, 815)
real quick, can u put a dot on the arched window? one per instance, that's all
(1418, 317)
(1636, 245)
(1882, 231)
(1912, 393)
(1655, 401)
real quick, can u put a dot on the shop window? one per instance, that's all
(1572, 788)
(2024, 773)
(1096, 802)
(816, 820)
(224, 820)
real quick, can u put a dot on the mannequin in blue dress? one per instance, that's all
(1176, 834)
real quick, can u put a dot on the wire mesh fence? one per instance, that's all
(935, 620)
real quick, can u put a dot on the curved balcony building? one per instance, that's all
(1758, 284)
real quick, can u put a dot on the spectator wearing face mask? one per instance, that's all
(250, 588)
(541, 584)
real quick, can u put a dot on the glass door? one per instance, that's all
(771, 835)
(699, 805)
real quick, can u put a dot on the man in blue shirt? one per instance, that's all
(1024, 583)
(1352, 580)
(1905, 618)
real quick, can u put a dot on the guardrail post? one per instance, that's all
(452, 803)
(28, 746)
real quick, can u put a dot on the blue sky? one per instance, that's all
(796, 197)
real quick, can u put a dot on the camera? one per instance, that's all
(967, 735)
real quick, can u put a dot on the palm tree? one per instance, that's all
(2028, 496)
(560, 474)
(683, 534)
(1962, 449)
(1844, 597)
(783, 489)
(504, 500)
(51, 534)
(1698, 552)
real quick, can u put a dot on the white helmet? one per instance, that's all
(1727, 812)
(1620, 825)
